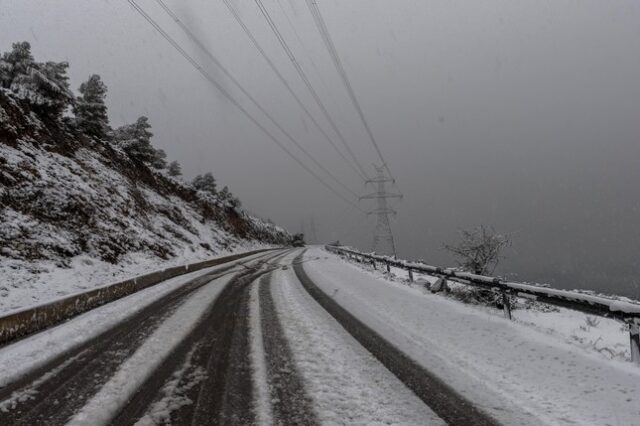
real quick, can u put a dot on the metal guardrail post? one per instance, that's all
(388, 267)
(373, 263)
(634, 338)
(506, 306)
(410, 274)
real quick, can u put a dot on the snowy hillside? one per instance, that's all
(76, 205)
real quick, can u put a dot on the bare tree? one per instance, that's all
(480, 249)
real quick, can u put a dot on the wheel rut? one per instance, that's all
(441, 398)
(290, 403)
(54, 392)
(214, 364)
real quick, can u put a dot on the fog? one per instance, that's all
(523, 116)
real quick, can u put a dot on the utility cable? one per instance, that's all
(326, 37)
(307, 83)
(286, 84)
(231, 99)
(247, 94)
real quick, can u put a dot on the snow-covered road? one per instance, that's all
(303, 338)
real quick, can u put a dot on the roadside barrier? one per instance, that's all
(626, 312)
(33, 319)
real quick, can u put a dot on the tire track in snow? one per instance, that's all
(444, 401)
(53, 393)
(290, 403)
(264, 412)
(217, 346)
(347, 384)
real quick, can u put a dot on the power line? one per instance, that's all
(286, 84)
(305, 50)
(307, 83)
(231, 99)
(247, 94)
(328, 42)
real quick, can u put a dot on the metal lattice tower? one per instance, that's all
(383, 242)
(313, 235)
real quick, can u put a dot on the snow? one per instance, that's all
(518, 372)
(609, 337)
(29, 391)
(617, 305)
(26, 285)
(73, 222)
(103, 406)
(173, 394)
(24, 356)
(345, 382)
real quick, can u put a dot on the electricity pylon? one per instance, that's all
(383, 242)
(313, 236)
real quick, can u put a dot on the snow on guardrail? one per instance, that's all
(627, 312)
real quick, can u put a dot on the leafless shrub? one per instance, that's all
(479, 250)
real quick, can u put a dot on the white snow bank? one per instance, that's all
(614, 305)
(18, 359)
(517, 373)
(24, 285)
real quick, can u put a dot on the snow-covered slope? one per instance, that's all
(76, 212)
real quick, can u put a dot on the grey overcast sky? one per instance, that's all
(521, 115)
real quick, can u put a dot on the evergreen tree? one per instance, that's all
(90, 108)
(224, 194)
(15, 63)
(174, 169)
(45, 86)
(227, 197)
(160, 159)
(135, 140)
(205, 183)
(235, 202)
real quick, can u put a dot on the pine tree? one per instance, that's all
(235, 202)
(160, 159)
(135, 140)
(90, 108)
(15, 63)
(224, 194)
(205, 183)
(227, 197)
(45, 86)
(174, 169)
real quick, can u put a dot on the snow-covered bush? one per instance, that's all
(479, 251)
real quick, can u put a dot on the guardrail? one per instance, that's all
(33, 319)
(590, 304)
